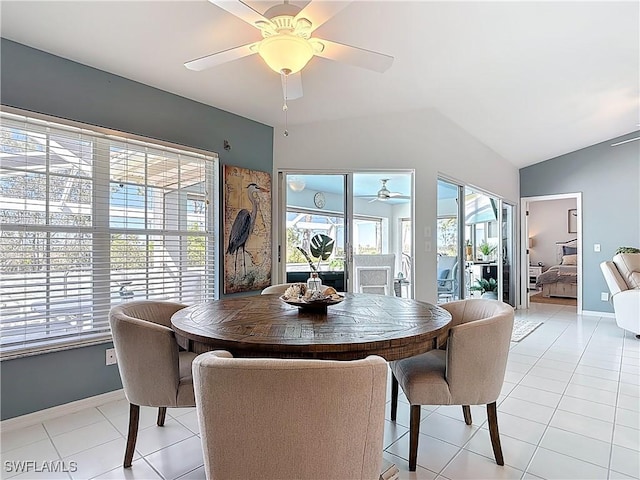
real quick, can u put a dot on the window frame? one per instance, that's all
(100, 231)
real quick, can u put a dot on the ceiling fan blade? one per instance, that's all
(378, 62)
(318, 12)
(293, 88)
(219, 58)
(242, 11)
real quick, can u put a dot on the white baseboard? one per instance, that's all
(592, 313)
(34, 418)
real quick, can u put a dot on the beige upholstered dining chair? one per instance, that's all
(470, 371)
(278, 289)
(154, 372)
(290, 419)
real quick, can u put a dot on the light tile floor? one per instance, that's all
(569, 409)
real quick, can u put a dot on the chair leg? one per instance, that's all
(466, 411)
(492, 416)
(414, 432)
(394, 397)
(134, 416)
(162, 413)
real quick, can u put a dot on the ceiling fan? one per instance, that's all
(287, 44)
(384, 194)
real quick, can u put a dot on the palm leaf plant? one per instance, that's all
(484, 285)
(321, 247)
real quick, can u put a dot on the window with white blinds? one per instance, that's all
(89, 220)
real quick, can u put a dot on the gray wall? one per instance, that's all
(609, 179)
(37, 81)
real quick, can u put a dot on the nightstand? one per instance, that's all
(534, 273)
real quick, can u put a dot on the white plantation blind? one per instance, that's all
(89, 220)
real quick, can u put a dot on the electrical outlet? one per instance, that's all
(111, 356)
(604, 296)
(596, 247)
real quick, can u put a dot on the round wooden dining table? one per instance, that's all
(265, 326)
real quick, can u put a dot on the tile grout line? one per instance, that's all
(575, 433)
(555, 409)
(615, 411)
(54, 446)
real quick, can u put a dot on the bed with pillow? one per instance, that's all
(561, 280)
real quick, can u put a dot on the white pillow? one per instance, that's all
(569, 259)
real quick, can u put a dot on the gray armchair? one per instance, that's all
(469, 372)
(290, 419)
(154, 372)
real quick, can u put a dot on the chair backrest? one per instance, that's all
(628, 264)
(612, 276)
(147, 351)
(377, 280)
(278, 289)
(271, 419)
(446, 267)
(477, 349)
(374, 273)
(448, 279)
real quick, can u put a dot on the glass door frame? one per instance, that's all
(462, 270)
(279, 246)
(513, 253)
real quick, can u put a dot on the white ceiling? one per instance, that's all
(532, 80)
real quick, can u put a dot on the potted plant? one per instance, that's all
(486, 250)
(320, 247)
(627, 250)
(469, 250)
(488, 288)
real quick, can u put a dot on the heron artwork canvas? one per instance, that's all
(247, 229)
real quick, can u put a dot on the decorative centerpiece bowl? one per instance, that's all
(321, 304)
(299, 296)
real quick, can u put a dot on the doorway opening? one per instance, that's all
(552, 250)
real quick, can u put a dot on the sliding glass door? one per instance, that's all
(314, 214)
(475, 255)
(482, 233)
(366, 215)
(508, 249)
(449, 241)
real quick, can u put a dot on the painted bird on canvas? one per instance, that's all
(243, 226)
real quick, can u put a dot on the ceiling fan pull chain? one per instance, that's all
(285, 107)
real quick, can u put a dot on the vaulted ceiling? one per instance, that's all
(531, 80)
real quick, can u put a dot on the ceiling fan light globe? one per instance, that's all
(296, 184)
(285, 52)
